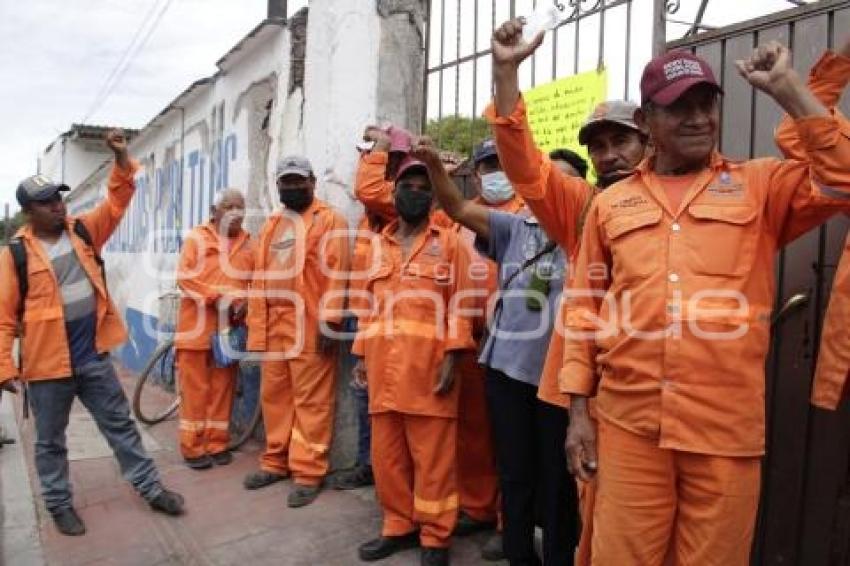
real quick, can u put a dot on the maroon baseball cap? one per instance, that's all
(668, 76)
(408, 164)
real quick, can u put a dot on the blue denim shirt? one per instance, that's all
(519, 337)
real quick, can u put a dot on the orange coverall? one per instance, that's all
(45, 347)
(827, 80)
(558, 201)
(299, 285)
(478, 482)
(418, 316)
(668, 325)
(210, 266)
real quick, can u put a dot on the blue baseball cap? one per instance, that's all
(38, 188)
(485, 149)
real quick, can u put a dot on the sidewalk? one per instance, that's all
(224, 525)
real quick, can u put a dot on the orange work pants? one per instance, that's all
(298, 413)
(413, 458)
(586, 502)
(653, 503)
(478, 481)
(206, 399)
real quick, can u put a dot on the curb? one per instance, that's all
(20, 541)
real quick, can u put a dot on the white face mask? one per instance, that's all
(496, 188)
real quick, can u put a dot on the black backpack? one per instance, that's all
(19, 256)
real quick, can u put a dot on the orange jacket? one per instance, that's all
(300, 278)
(45, 347)
(420, 311)
(375, 192)
(557, 200)
(827, 80)
(670, 321)
(205, 273)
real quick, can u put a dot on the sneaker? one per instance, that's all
(168, 502)
(383, 547)
(200, 463)
(434, 557)
(302, 495)
(222, 458)
(356, 477)
(493, 551)
(256, 480)
(68, 522)
(466, 525)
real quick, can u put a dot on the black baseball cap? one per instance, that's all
(38, 188)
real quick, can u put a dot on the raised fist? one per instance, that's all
(509, 48)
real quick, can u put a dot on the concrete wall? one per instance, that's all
(307, 87)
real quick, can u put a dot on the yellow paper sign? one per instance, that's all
(557, 110)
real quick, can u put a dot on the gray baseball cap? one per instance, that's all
(38, 188)
(621, 112)
(294, 165)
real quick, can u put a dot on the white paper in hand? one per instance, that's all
(544, 18)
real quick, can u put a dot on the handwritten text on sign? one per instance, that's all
(557, 110)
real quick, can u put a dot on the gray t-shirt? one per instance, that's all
(519, 336)
(78, 299)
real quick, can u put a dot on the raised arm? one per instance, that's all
(465, 212)
(103, 220)
(802, 193)
(827, 81)
(556, 200)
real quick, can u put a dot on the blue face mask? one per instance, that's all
(496, 188)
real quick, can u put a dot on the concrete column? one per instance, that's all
(364, 64)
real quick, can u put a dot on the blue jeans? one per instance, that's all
(97, 387)
(361, 403)
(364, 427)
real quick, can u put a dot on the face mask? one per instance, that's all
(296, 200)
(412, 205)
(496, 188)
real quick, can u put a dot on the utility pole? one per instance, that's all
(659, 27)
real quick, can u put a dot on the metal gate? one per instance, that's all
(805, 507)
(458, 61)
(804, 518)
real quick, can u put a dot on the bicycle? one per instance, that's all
(153, 405)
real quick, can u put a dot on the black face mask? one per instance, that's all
(412, 205)
(296, 200)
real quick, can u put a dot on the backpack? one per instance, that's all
(19, 256)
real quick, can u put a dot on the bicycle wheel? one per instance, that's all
(152, 404)
(242, 429)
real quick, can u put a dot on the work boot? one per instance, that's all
(68, 522)
(357, 477)
(168, 502)
(466, 525)
(302, 495)
(384, 547)
(222, 458)
(434, 557)
(200, 463)
(493, 551)
(256, 480)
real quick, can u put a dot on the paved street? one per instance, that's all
(225, 524)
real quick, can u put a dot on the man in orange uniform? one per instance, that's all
(615, 145)
(477, 477)
(828, 79)
(296, 303)
(69, 325)
(215, 269)
(667, 318)
(408, 343)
